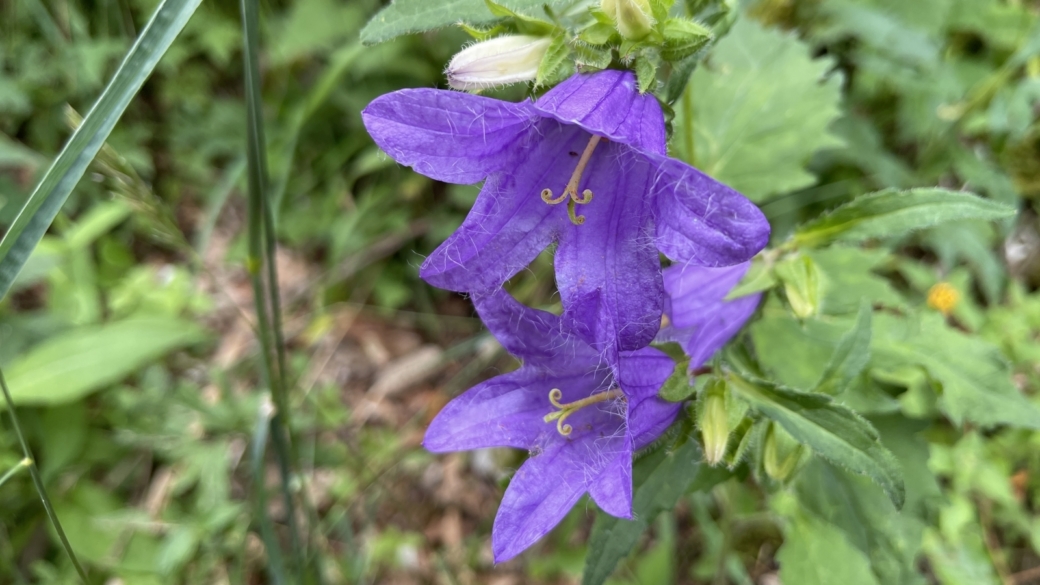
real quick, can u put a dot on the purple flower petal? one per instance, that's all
(607, 269)
(608, 104)
(559, 471)
(536, 337)
(448, 136)
(612, 490)
(505, 411)
(701, 221)
(509, 224)
(642, 373)
(700, 320)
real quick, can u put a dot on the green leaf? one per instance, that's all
(975, 376)
(816, 553)
(756, 114)
(866, 518)
(834, 432)
(411, 16)
(850, 279)
(659, 479)
(54, 188)
(70, 366)
(794, 353)
(850, 357)
(682, 38)
(892, 212)
(758, 278)
(678, 386)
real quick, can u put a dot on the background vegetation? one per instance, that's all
(129, 339)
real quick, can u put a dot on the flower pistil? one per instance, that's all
(568, 408)
(570, 193)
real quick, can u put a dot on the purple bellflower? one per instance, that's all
(579, 413)
(583, 166)
(699, 318)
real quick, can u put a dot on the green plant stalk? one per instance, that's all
(23, 464)
(264, 276)
(37, 480)
(275, 563)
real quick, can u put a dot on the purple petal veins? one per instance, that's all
(700, 319)
(628, 203)
(593, 456)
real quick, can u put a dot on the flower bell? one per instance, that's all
(633, 18)
(498, 61)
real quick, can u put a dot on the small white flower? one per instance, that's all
(499, 61)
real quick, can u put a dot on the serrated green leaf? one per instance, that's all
(832, 431)
(402, 17)
(659, 479)
(83, 360)
(892, 212)
(975, 377)
(850, 357)
(754, 117)
(42, 206)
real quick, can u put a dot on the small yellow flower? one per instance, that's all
(943, 297)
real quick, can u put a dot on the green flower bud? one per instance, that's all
(498, 61)
(713, 420)
(781, 454)
(802, 285)
(633, 18)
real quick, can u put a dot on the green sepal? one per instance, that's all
(552, 65)
(646, 74)
(589, 57)
(598, 34)
(683, 38)
(678, 386)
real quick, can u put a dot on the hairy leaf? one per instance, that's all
(832, 431)
(411, 16)
(892, 212)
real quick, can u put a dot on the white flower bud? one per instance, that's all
(633, 18)
(499, 61)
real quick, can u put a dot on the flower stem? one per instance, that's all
(37, 480)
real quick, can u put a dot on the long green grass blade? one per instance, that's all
(64, 174)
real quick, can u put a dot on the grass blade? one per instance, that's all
(38, 481)
(66, 171)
